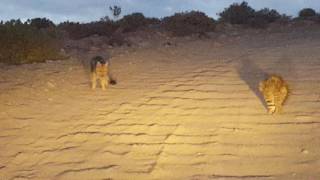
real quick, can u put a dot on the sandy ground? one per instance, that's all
(190, 111)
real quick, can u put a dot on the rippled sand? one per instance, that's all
(191, 111)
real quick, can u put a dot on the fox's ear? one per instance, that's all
(261, 86)
(98, 64)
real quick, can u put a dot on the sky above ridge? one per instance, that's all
(91, 10)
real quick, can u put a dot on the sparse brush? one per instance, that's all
(23, 43)
(79, 31)
(134, 21)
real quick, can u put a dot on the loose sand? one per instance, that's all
(188, 111)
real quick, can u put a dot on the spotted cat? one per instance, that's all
(275, 91)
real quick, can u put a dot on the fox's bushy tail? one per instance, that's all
(112, 80)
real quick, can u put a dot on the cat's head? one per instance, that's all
(262, 86)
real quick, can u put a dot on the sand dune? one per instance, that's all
(190, 111)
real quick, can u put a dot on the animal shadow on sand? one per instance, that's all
(251, 74)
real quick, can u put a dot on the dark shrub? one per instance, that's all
(105, 19)
(257, 22)
(78, 31)
(23, 43)
(40, 23)
(244, 14)
(263, 17)
(237, 13)
(187, 23)
(134, 21)
(269, 15)
(307, 12)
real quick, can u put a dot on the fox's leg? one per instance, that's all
(93, 80)
(107, 80)
(104, 83)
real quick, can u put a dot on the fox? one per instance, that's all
(100, 70)
(275, 92)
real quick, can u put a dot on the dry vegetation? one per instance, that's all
(28, 42)
(39, 39)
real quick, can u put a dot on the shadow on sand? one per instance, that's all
(251, 74)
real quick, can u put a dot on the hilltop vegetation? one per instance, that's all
(39, 39)
(36, 40)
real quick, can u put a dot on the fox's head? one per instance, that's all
(102, 64)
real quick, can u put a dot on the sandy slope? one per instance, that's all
(191, 111)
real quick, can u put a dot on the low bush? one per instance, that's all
(245, 15)
(22, 43)
(134, 21)
(269, 15)
(237, 13)
(307, 12)
(41, 23)
(187, 23)
(263, 17)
